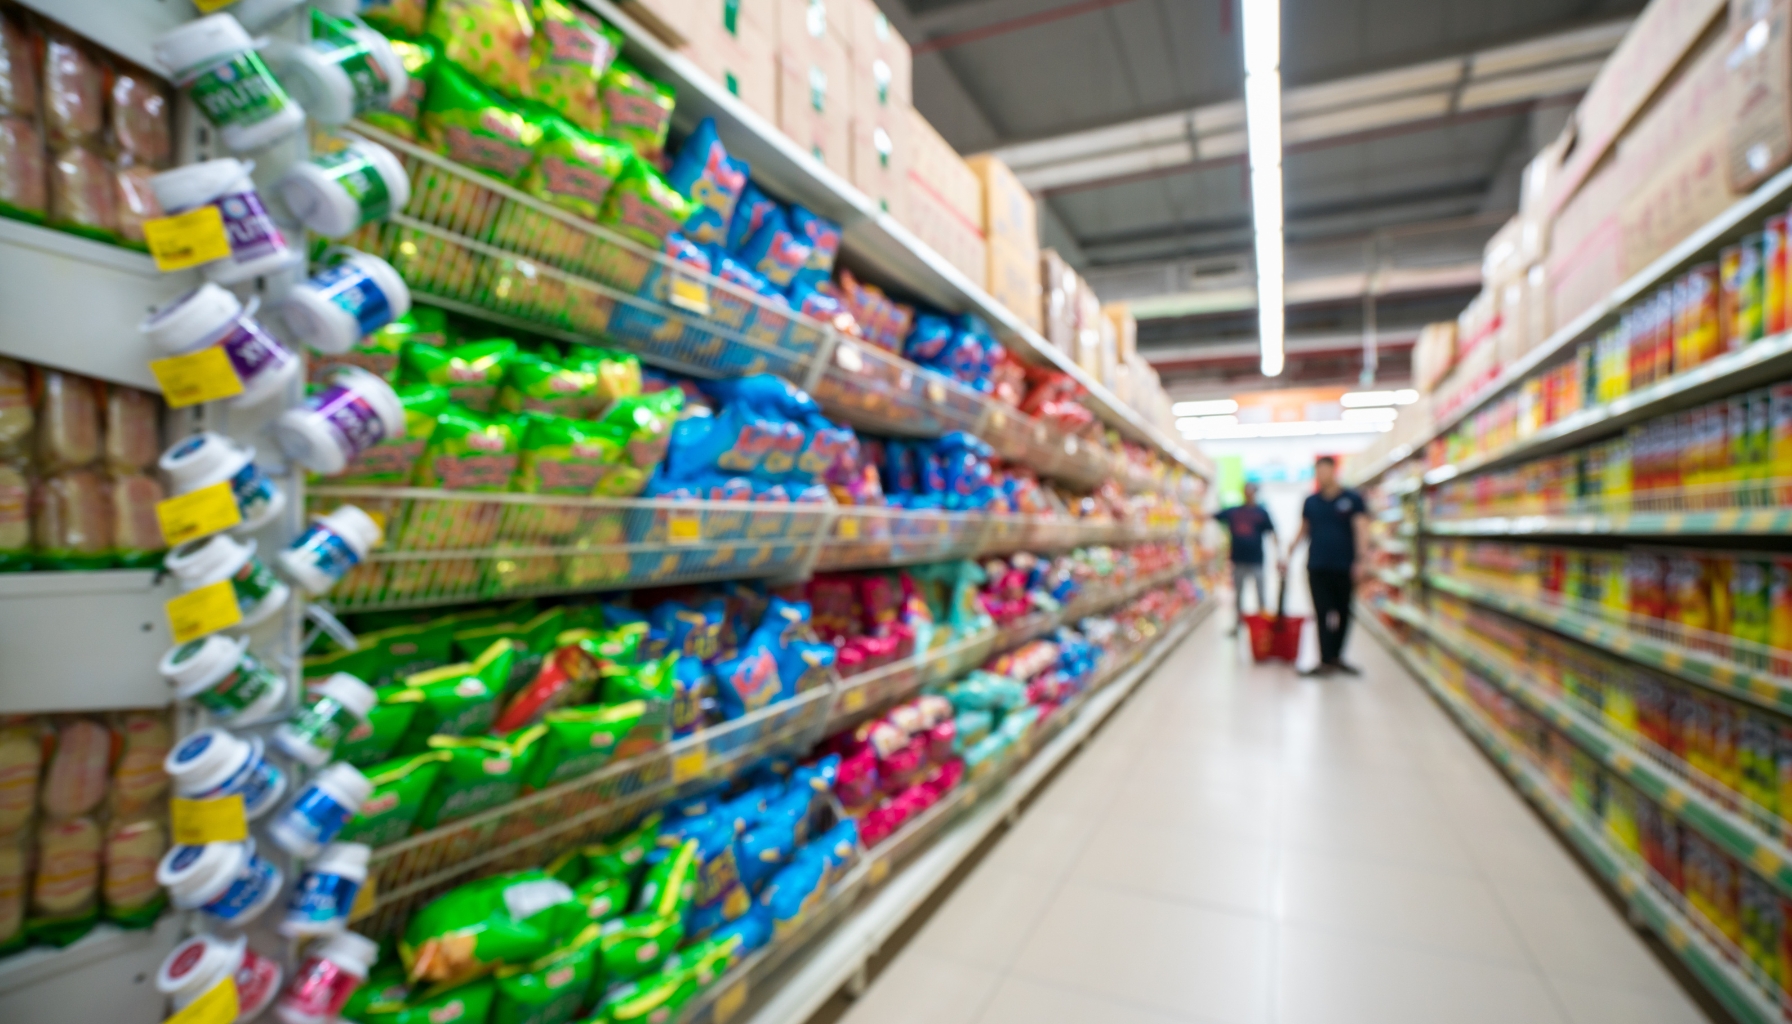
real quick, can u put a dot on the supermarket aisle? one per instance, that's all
(1241, 845)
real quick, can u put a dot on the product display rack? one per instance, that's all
(1729, 522)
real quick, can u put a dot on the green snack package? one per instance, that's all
(467, 124)
(470, 372)
(458, 700)
(637, 109)
(405, 16)
(469, 452)
(377, 353)
(603, 898)
(572, 51)
(633, 946)
(574, 169)
(512, 918)
(419, 58)
(618, 373)
(535, 635)
(380, 996)
(581, 740)
(671, 884)
(568, 866)
(359, 663)
(642, 206)
(656, 997)
(394, 460)
(373, 739)
(647, 681)
(622, 856)
(567, 456)
(552, 990)
(481, 772)
(536, 383)
(491, 39)
(706, 960)
(400, 787)
(621, 645)
(463, 1004)
(404, 650)
(648, 420)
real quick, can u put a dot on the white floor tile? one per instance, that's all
(919, 986)
(1330, 979)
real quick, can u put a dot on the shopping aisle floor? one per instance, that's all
(1241, 845)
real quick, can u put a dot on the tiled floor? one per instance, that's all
(1238, 845)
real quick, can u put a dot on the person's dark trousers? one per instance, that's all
(1331, 609)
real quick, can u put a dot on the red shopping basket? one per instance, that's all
(1275, 636)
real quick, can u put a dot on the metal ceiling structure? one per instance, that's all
(1406, 124)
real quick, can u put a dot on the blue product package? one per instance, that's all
(749, 682)
(718, 875)
(745, 810)
(764, 393)
(786, 448)
(828, 445)
(964, 359)
(691, 681)
(794, 892)
(899, 472)
(815, 304)
(763, 849)
(798, 807)
(750, 213)
(820, 776)
(837, 847)
(691, 632)
(783, 621)
(705, 174)
(930, 470)
(823, 236)
(971, 323)
(803, 662)
(928, 338)
(775, 251)
(686, 450)
(688, 255)
(754, 929)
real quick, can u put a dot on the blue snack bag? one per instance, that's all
(775, 251)
(780, 461)
(803, 658)
(818, 777)
(692, 632)
(750, 213)
(764, 393)
(690, 683)
(763, 849)
(930, 470)
(837, 847)
(900, 473)
(823, 236)
(828, 445)
(749, 682)
(784, 621)
(928, 338)
(753, 929)
(711, 179)
(794, 892)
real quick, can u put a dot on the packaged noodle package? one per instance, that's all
(537, 382)
(481, 772)
(618, 374)
(571, 51)
(637, 109)
(643, 206)
(491, 39)
(470, 126)
(581, 740)
(566, 456)
(470, 452)
(400, 787)
(508, 919)
(471, 372)
(419, 59)
(574, 169)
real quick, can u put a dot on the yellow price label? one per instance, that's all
(187, 239)
(684, 528)
(366, 900)
(218, 820)
(206, 610)
(689, 295)
(998, 420)
(219, 1005)
(880, 870)
(1675, 800)
(1765, 861)
(689, 765)
(202, 376)
(729, 1002)
(853, 699)
(212, 6)
(848, 528)
(200, 513)
(936, 392)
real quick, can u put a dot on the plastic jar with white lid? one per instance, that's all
(333, 544)
(257, 248)
(215, 763)
(209, 316)
(335, 193)
(351, 414)
(323, 983)
(318, 813)
(344, 69)
(329, 712)
(214, 60)
(200, 563)
(201, 963)
(345, 302)
(219, 674)
(229, 881)
(325, 893)
(206, 459)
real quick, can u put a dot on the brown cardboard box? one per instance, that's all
(1433, 355)
(1760, 116)
(1126, 329)
(1008, 209)
(1058, 301)
(946, 231)
(735, 45)
(939, 169)
(1013, 279)
(1089, 324)
(670, 20)
(880, 162)
(881, 57)
(815, 79)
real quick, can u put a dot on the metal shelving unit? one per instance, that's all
(1728, 522)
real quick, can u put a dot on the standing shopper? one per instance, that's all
(1337, 521)
(1247, 523)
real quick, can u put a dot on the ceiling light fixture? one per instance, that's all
(1210, 407)
(1263, 132)
(1372, 399)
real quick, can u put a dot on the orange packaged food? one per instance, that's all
(75, 781)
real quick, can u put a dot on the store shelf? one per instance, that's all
(1394, 545)
(49, 622)
(1669, 785)
(126, 29)
(1659, 911)
(872, 241)
(1760, 686)
(108, 974)
(1727, 522)
(74, 303)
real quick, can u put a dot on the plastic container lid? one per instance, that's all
(348, 860)
(348, 691)
(197, 319)
(194, 185)
(185, 51)
(345, 783)
(192, 668)
(193, 967)
(206, 760)
(202, 460)
(355, 527)
(350, 951)
(317, 198)
(201, 562)
(319, 84)
(196, 875)
(313, 441)
(327, 327)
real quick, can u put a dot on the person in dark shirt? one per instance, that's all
(1247, 523)
(1336, 520)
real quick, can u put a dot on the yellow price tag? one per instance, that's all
(998, 420)
(365, 900)
(206, 610)
(936, 392)
(201, 513)
(1676, 800)
(218, 1006)
(880, 870)
(197, 822)
(684, 527)
(853, 699)
(848, 528)
(689, 765)
(689, 295)
(729, 1002)
(1765, 861)
(202, 376)
(187, 239)
(212, 6)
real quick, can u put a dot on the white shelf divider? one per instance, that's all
(82, 641)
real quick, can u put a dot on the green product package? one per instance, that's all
(568, 456)
(706, 960)
(491, 39)
(671, 884)
(634, 946)
(648, 420)
(568, 866)
(552, 990)
(400, 651)
(535, 635)
(572, 50)
(642, 206)
(602, 897)
(373, 739)
(378, 353)
(649, 999)
(637, 109)
(469, 452)
(621, 645)
(618, 373)
(581, 740)
(471, 372)
(463, 1004)
(472, 127)
(394, 460)
(380, 996)
(507, 919)
(458, 700)
(402, 16)
(419, 58)
(400, 786)
(574, 169)
(648, 681)
(621, 856)
(481, 772)
(538, 383)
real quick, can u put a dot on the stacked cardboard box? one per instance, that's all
(730, 40)
(1058, 304)
(1433, 355)
(882, 99)
(1011, 229)
(945, 201)
(815, 79)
